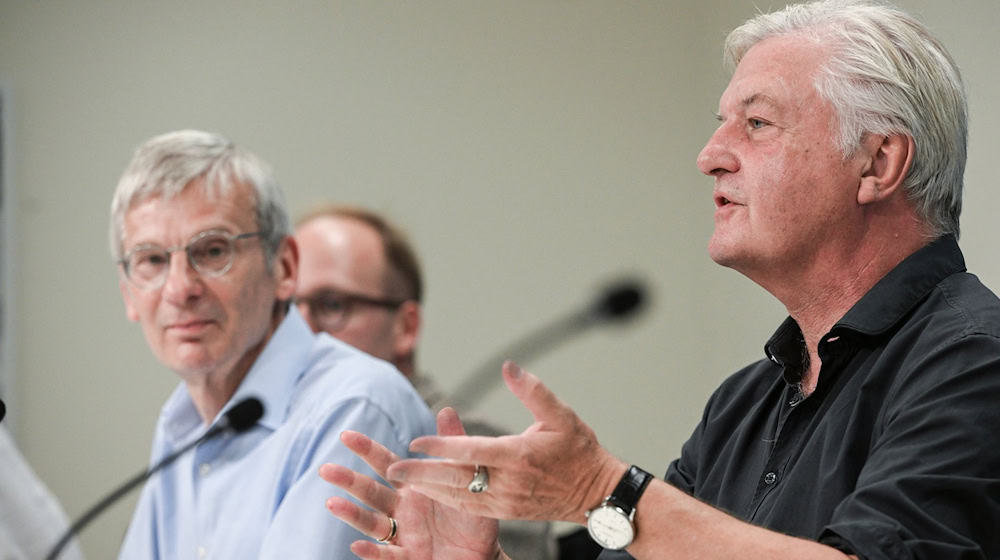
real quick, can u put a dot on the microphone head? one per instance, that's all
(620, 301)
(244, 414)
(3, 410)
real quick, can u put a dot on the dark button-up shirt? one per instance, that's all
(896, 454)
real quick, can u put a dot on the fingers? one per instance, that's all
(431, 471)
(371, 551)
(460, 499)
(471, 450)
(364, 488)
(448, 423)
(375, 454)
(372, 523)
(543, 404)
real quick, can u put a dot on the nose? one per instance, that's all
(183, 283)
(717, 158)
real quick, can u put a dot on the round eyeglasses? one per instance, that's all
(329, 310)
(209, 252)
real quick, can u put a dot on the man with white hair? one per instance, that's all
(871, 428)
(208, 267)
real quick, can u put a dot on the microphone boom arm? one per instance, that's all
(619, 302)
(239, 418)
(525, 348)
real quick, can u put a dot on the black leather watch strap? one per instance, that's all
(630, 488)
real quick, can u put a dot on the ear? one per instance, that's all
(286, 268)
(130, 311)
(407, 328)
(889, 162)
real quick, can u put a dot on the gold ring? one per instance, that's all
(392, 531)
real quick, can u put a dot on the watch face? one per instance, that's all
(610, 527)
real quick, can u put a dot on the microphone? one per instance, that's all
(3, 410)
(621, 301)
(240, 418)
(618, 303)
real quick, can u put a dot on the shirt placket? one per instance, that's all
(797, 414)
(794, 416)
(205, 457)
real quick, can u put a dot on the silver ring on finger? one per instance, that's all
(480, 480)
(393, 527)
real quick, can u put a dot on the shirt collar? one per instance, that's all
(882, 307)
(904, 287)
(272, 379)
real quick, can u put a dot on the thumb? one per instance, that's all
(543, 404)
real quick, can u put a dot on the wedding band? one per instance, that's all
(392, 532)
(480, 480)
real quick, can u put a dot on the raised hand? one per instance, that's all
(426, 530)
(554, 470)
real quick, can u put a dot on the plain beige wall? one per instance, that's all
(534, 150)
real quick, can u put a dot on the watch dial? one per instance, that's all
(610, 527)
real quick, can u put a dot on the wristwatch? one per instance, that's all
(610, 524)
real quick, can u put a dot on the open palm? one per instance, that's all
(427, 530)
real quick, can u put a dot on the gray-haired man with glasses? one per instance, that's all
(208, 268)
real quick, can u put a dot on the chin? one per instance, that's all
(191, 363)
(721, 252)
(734, 251)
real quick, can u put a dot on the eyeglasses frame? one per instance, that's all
(350, 299)
(232, 237)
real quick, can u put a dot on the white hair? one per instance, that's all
(886, 75)
(166, 165)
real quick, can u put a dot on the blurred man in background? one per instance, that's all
(360, 281)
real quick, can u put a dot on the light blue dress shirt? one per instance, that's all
(258, 494)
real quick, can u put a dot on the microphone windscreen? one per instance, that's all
(3, 410)
(244, 414)
(620, 301)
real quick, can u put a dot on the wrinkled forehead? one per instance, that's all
(170, 217)
(780, 72)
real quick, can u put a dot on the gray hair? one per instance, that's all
(165, 165)
(886, 75)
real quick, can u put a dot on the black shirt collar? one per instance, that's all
(882, 307)
(904, 287)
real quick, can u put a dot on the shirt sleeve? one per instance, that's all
(301, 527)
(930, 488)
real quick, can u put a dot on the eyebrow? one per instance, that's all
(754, 99)
(760, 98)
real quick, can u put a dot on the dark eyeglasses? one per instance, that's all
(329, 310)
(210, 253)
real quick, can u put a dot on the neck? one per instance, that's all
(212, 393)
(820, 295)
(406, 366)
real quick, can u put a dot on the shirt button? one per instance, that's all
(202, 552)
(770, 478)
(204, 469)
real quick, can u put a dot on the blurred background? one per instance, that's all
(535, 150)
